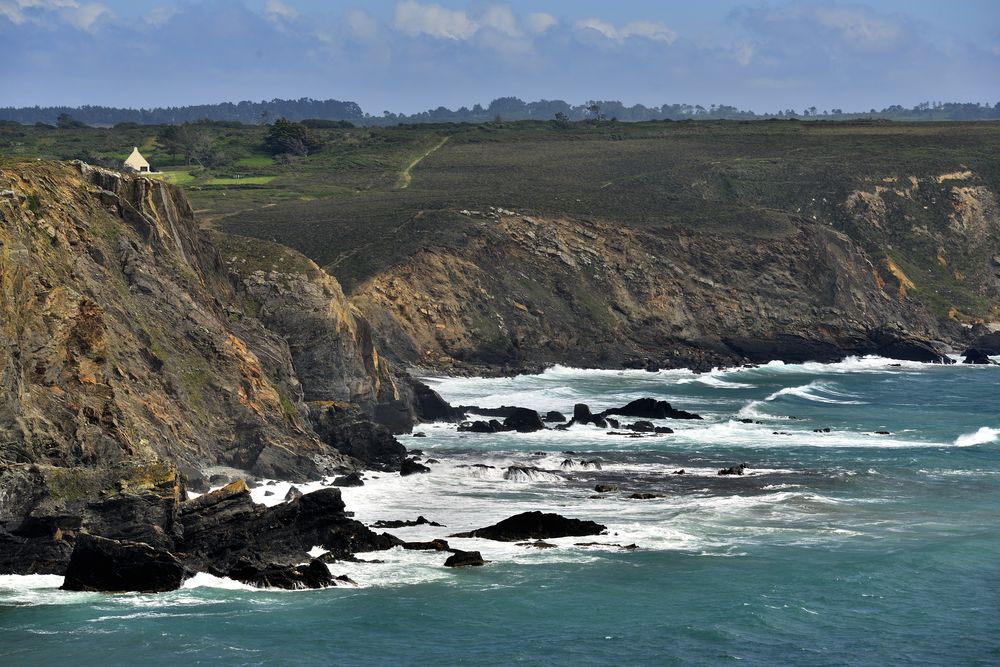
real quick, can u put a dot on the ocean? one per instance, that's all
(874, 543)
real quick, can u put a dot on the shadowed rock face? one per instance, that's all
(117, 566)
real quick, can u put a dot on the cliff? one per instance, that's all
(125, 337)
(524, 290)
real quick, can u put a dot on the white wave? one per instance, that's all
(983, 436)
(817, 391)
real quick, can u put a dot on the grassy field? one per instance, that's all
(372, 196)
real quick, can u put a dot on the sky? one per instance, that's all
(412, 55)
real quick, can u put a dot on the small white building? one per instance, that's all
(136, 162)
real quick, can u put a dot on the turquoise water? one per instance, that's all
(840, 547)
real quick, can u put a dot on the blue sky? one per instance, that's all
(410, 55)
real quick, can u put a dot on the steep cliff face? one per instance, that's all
(525, 289)
(122, 337)
(332, 349)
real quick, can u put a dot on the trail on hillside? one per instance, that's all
(406, 175)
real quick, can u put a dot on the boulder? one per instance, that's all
(119, 566)
(535, 526)
(976, 356)
(353, 479)
(350, 432)
(641, 427)
(524, 420)
(411, 467)
(433, 545)
(582, 415)
(429, 406)
(606, 488)
(650, 408)
(554, 416)
(290, 577)
(293, 493)
(734, 470)
(465, 559)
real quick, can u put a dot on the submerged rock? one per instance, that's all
(397, 523)
(118, 566)
(535, 526)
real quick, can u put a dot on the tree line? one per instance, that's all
(501, 108)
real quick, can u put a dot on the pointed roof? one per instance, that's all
(136, 160)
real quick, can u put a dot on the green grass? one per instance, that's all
(342, 206)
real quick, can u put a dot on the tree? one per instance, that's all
(288, 137)
(67, 122)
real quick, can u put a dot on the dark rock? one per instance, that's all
(419, 434)
(679, 472)
(430, 461)
(976, 356)
(225, 527)
(554, 416)
(644, 496)
(986, 341)
(118, 566)
(293, 493)
(523, 473)
(663, 430)
(349, 431)
(567, 463)
(821, 430)
(411, 467)
(537, 544)
(433, 545)
(397, 523)
(429, 406)
(652, 367)
(524, 420)
(882, 433)
(641, 427)
(592, 464)
(606, 488)
(650, 408)
(290, 577)
(535, 526)
(734, 470)
(582, 415)
(353, 479)
(416, 452)
(478, 426)
(613, 423)
(465, 559)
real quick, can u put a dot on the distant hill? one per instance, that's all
(504, 108)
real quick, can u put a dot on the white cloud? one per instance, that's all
(500, 18)
(540, 22)
(279, 9)
(361, 24)
(859, 27)
(79, 15)
(651, 30)
(433, 20)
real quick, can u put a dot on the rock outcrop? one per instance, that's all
(535, 526)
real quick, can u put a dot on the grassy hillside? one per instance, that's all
(374, 196)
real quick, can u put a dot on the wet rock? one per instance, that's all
(293, 493)
(535, 526)
(606, 488)
(429, 406)
(554, 416)
(591, 464)
(650, 408)
(582, 415)
(419, 434)
(430, 461)
(411, 467)
(679, 472)
(477, 426)
(641, 427)
(353, 479)
(821, 430)
(735, 470)
(524, 473)
(524, 420)
(290, 577)
(663, 430)
(118, 566)
(976, 356)
(612, 422)
(398, 523)
(465, 559)
(644, 496)
(537, 544)
(349, 431)
(567, 464)
(433, 545)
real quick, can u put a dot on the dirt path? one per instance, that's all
(406, 175)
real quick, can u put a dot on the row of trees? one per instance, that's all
(506, 108)
(197, 143)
